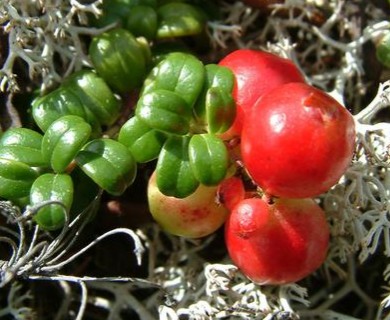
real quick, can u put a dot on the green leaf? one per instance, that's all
(220, 110)
(179, 19)
(109, 163)
(60, 102)
(179, 72)
(52, 187)
(63, 140)
(209, 159)
(23, 145)
(94, 93)
(119, 59)
(174, 173)
(143, 142)
(16, 179)
(383, 50)
(165, 111)
(217, 77)
(142, 21)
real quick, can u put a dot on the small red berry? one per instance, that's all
(298, 141)
(256, 72)
(277, 243)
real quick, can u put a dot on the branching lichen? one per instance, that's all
(17, 303)
(37, 253)
(47, 36)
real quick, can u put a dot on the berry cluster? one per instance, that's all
(295, 142)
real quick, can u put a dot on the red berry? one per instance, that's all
(256, 72)
(297, 142)
(277, 243)
(230, 192)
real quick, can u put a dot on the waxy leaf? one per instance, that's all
(109, 163)
(16, 179)
(142, 21)
(173, 172)
(119, 59)
(52, 187)
(179, 72)
(95, 95)
(144, 142)
(165, 111)
(60, 102)
(23, 145)
(63, 140)
(220, 110)
(209, 159)
(179, 19)
(218, 77)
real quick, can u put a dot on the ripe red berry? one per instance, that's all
(277, 243)
(256, 72)
(230, 192)
(297, 142)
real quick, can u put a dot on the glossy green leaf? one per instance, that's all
(144, 143)
(16, 179)
(63, 140)
(165, 111)
(142, 21)
(219, 77)
(48, 108)
(179, 72)
(383, 50)
(52, 187)
(95, 95)
(119, 59)
(23, 145)
(220, 110)
(174, 173)
(109, 163)
(58, 103)
(209, 158)
(179, 19)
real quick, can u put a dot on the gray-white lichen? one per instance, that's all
(327, 40)
(47, 35)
